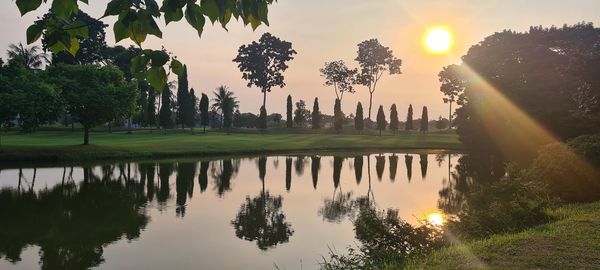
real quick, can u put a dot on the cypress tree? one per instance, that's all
(151, 108)
(338, 115)
(424, 120)
(204, 118)
(182, 97)
(262, 119)
(381, 123)
(409, 119)
(227, 113)
(394, 119)
(289, 119)
(359, 119)
(165, 109)
(316, 115)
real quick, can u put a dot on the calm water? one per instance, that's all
(248, 213)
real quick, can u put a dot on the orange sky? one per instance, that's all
(329, 30)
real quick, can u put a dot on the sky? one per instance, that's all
(328, 30)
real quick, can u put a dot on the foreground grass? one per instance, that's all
(571, 242)
(65, 145)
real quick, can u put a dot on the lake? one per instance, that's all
(262, 212)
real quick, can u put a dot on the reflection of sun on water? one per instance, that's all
(435, 219)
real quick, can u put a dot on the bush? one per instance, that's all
(587, 146)
(564, 173)
(509, 205)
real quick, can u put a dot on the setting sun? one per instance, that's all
(435, 219)
(438, 40)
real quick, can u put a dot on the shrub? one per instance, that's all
(587, 146)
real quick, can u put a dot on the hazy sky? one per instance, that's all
(325, 30)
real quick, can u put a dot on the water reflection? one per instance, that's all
(74, 214)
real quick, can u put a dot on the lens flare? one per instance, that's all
(436, 219)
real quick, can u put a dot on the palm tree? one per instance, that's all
(224, 100)
(33, 57)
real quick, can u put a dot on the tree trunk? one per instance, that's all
(450, 116)
(86, 135)
(370, 103)
(265, 99)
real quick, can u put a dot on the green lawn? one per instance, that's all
(571, 242)
(66, 145)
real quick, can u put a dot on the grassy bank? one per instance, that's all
(570, 242)
(66, 145)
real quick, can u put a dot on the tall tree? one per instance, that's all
(223, 101)
(424, 120)
(453, 85)
(316, 115)
(94, 95)
(359, 119)
(151, 107)
(289, 118)
(301, 114)
(338, 75)
(338, 116)
(374, 59)
(190, 112)
(262, 63)
(182, 96)
(164, 119)
(32, 57)
(204, 115)
(381, 123)
(409, 118)
(394, 119)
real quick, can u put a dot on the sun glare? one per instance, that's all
(435, 219)
(438, 40)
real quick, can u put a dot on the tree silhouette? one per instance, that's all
(408, 161)
(409, 118)
(358, 168)
(315, 166)
(316, 115)
(32, 57)
(165, 169)
(164, 118)
(204, 115)
(379, 166)
(394, 123)
(262, 170)
(452, 86)
(225, 102)
(424, 121)
(338, 115)
(301, 114)
(262, 63)
(374, 59)
(150, 118)
(423, 161)
(223, 176)
(359, 119)
(337, 170)
(393, 167)
(381, 123)
(184, 185)
(299, 165)
(262, 119)
(338, 75)
(289, 116)
(203, 175)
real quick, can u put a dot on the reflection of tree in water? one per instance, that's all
(423, 161)
(165, 169)
(184, 185)
(358, 168)
(288, 173)
(338, 207)
(222, 176)
(203, 175)
(71, 223)
(299, 165)
(337, 170)
(393, 167)
(471, 170)
(408, 161)
(261, 219)
(379, 166)
(439, 158)
(315, 167)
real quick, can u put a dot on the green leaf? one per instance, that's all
(34, 32)
(152, 6)
(138, 65)
(28, 5)
(148, 23)
(78, 28)
(137, 33)
(74, 46)
(158, 58)
(254, 22)
(177, 67)
(173, 15)
(64, 8)
(115, 7)
(210, 9)
(120, 31)
(157, 77)
(194, 16)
